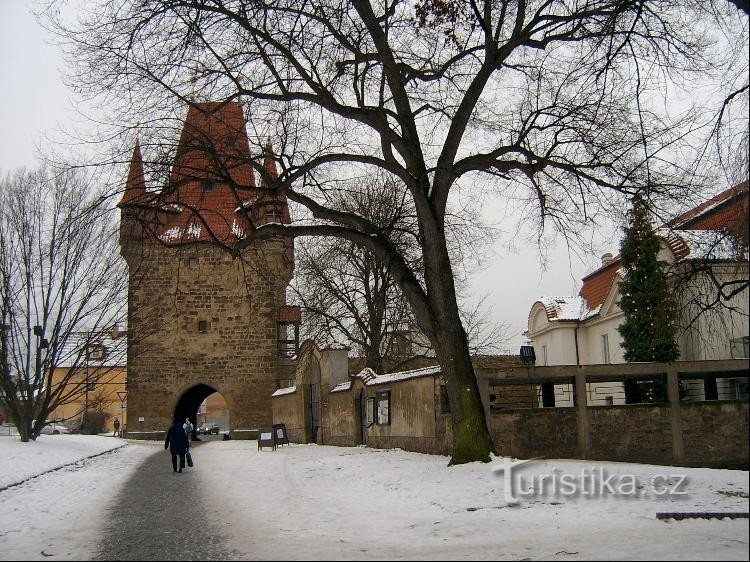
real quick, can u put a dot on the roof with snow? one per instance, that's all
(697, 234)
(95, 349)
(212, 187)
(285, 391)
(371, 378)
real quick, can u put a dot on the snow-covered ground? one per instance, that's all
(307, 502)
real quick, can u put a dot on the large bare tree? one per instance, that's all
(61, 289)
(557, 104)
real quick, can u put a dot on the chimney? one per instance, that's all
(606, 258)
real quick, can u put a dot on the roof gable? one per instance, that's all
(598, 284)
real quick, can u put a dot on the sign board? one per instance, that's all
(279, 434)
(122, 395)
(265, 439)
(141, 419)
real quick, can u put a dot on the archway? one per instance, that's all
(188, 406)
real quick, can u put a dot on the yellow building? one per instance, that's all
(103, 365)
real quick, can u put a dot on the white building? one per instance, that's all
(707, 252)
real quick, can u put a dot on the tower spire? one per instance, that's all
(135, 186)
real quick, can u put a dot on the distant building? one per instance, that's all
(93, 369)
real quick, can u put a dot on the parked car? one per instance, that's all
(53, 427)
(209, 428)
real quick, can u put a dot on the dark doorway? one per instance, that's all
(188, 405)
(361, 404)
(314, 412)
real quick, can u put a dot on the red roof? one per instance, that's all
(290, 314)
(212, 178)
(717, 213)
(135, 186)
(596, 285)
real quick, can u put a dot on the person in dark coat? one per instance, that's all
(177, 444)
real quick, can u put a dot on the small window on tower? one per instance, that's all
(203, 326)
(192, 262)
(273, 215)
(208, 186)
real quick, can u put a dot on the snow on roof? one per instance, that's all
(405, 375)
(341, 387)
(103, 350)
(568, 309)
(191, 231)
(701, 244)
(237, 229)
(284, 391)
(370, 377)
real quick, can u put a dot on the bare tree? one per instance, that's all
(60, 276)
(347, 294)
(548, 102)
(345, 291)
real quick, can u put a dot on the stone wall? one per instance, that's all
(341, 420)
(287, 409)
(715, 434)
(237, 355)
(633, 433)
(528, 433)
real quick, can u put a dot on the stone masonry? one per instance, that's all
(200, 320)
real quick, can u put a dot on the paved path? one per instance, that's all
(160, 515)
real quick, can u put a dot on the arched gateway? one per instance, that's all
(199, 320)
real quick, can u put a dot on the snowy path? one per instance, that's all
(59, 515)
(159, 515)
(318, 503)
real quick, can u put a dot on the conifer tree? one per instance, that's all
(649, 331)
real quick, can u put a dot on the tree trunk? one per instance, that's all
(471, 439)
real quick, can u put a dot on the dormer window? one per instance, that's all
(208, 186)
(96, 352)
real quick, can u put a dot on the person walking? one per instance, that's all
(177, 443)
(188, 427)
(116, 423)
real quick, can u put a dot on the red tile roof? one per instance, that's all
(135, 186)
(715, 214)
(596, 285)
(290, 314)
(213, 145)
(211, 181)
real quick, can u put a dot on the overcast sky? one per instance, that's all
(35, 103)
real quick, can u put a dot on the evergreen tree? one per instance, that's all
(648, 332)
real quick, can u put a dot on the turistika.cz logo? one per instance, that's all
(589, 482)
